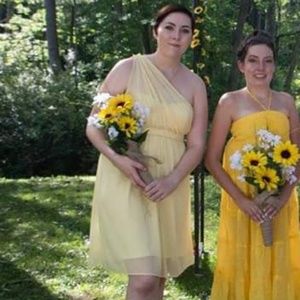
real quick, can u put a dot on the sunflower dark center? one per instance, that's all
(254, 162)
(127, 125)
(266, 179)
(285, 154)
(121, 104)
(108, 115)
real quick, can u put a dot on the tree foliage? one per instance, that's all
(43, 112)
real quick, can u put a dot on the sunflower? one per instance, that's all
(107, 115)
(267, 178)
(286, 154)
(128, 125)
(254, 160)
(122, 103)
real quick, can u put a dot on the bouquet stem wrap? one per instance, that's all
(266, 227)
(135, 153)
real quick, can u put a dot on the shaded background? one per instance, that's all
(54, 53)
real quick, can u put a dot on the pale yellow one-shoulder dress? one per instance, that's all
(246, 269)
(129, 233)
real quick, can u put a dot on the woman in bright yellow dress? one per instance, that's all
(245, 268)
(138, 229)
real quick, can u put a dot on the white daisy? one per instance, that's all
(235, 161)
(112, 132)
(101, 99)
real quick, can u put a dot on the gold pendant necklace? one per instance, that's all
(259, 102)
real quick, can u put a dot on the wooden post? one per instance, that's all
(197, 44)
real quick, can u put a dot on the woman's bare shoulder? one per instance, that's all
(228, 99)
(123, 65)
(117, 79)
(284, 96)
(283, 100)
(192, 77)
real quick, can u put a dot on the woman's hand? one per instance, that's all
(130, 168)
(250, 208)
(160, 188)
(274, 205)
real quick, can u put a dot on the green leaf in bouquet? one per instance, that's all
(141, 138)
(250, 180)
(119, 145)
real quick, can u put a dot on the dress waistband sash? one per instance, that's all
(166, 133)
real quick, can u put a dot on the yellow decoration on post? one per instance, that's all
(206, 80)
(195, 43)
(196, 33)
(198, 10)
(200, 66)
(199, 20)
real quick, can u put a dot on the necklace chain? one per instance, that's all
(259, 102)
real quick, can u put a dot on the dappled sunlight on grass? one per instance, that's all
(44, 227)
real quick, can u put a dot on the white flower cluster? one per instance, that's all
(236, 157)
(236, 161)
(101, 99)
(267, 140)
(289, 174)
(93, 121)
(140, 112)
(112, 132)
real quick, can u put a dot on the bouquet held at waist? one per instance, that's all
(267, 165)
(122, 120)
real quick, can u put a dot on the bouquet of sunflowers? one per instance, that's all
(122, 120)
(267, 165)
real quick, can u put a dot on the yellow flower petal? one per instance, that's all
(254, 160)
(128, 125)
(122, 102)
(267, 179)
(107, 115)
(286, 154)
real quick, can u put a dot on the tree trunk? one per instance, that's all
(245, 6)
(294, 60)
(145, 30)
(54, 59)
(118, 6)
(271, 25)
(72, 24)
(6, 11)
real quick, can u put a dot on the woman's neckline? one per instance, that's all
(260, 112)
(258, 101)
(146, 58)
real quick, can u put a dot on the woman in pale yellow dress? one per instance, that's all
(246, 269)
(138, 229)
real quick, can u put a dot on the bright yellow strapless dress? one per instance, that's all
(129, 233)
(246, 269)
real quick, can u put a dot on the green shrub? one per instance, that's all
(43, 121)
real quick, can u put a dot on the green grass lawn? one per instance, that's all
(44, 227)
